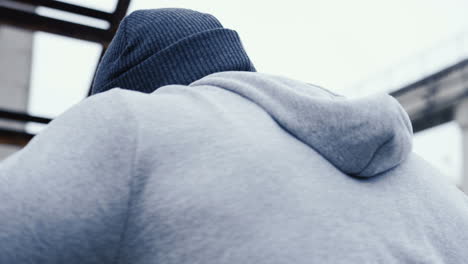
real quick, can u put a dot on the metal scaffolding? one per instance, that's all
(22, 14)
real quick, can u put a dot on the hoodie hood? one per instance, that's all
(362, 137)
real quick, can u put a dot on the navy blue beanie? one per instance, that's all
(158, 47)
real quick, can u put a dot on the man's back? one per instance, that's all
(208, 173)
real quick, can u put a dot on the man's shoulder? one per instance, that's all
(117, 103)
(174, 109)
(165, 97)
(428, 181)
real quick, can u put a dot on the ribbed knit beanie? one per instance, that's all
(158, 47)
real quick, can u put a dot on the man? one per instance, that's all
(208, 161)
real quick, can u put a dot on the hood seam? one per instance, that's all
(371, 160)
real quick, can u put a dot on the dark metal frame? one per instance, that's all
(17, 137)
(30, 20)
(434, 116)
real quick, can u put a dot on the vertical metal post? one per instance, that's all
(461, 116)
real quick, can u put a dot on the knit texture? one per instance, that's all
(157, 47)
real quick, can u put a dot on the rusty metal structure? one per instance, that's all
(12, 13)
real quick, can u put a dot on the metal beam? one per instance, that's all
(33, 21)
(17, 16)
(436, 118)
(431, 78)
(22, 117)
(14, 137)
(119, 13)
(75, 9)
(431, 101)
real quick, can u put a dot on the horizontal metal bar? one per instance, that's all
(433, 119)
(71, 8)
(18, 116)
(431, 78)
(32, 21)
(14, 137)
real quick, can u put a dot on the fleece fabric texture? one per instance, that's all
(237, 167)
(158, 47)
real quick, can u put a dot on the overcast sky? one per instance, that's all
(351, 47)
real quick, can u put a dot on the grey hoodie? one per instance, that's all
(237, 167)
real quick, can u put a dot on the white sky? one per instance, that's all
(345, 46)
